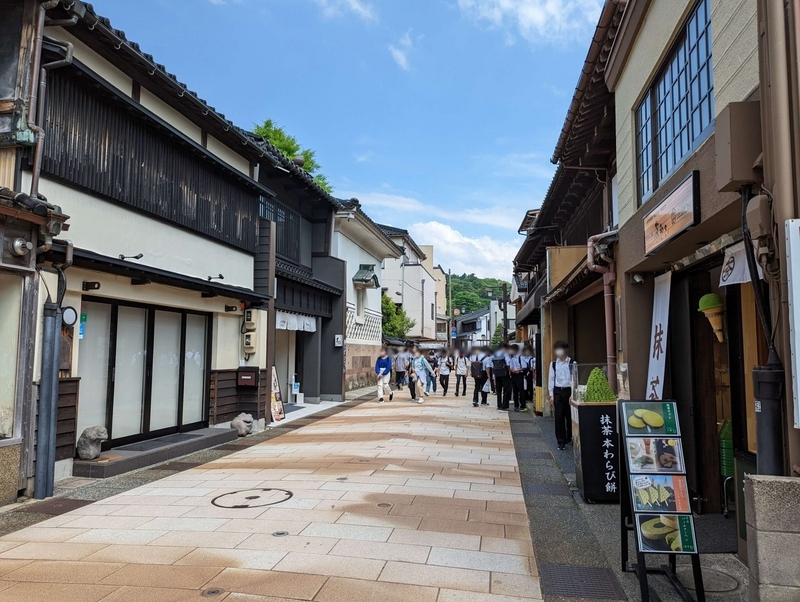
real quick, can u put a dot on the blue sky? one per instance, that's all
(439, 115)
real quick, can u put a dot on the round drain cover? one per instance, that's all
(280, 534)
(212, 593)
(252, 498)
(384, 505)
(714, 581)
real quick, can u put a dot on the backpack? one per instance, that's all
(476, 368)
(499, 367)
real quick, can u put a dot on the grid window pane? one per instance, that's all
(676, 114)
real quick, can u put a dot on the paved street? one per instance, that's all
(388, 502)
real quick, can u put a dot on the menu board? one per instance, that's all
(662, 514)
(643, 418)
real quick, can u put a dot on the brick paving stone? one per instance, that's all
(390, 502)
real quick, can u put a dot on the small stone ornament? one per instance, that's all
(243, 424)
(90, 441)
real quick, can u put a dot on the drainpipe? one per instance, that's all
(609, 272)
(48, 386)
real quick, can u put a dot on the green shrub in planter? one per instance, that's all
(598, 389)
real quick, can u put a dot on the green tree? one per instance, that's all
(471, 293)
(497, 337)
(396, 322)
(291, 148)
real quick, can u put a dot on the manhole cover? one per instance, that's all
(714, 581)
(384, 505)
(252, 498)
(280, 534)
(212, 593)
(580, 582)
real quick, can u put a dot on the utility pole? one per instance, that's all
(505, 313)
(449, 307)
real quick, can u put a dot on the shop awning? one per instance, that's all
(579, 278)
(146, 274)
(530, 314)
(366, 278)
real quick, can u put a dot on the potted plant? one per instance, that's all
(594, 433)
(714, 309)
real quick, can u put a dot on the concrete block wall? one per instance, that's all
(773, 538)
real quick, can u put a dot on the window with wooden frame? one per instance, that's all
(677, 113)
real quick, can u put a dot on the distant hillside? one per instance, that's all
(470, 293)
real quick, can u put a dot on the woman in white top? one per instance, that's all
(462, 369)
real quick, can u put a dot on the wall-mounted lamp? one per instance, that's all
(137, 257)
(231, 308)
(220, 277)
(90, 286)
(637, 279)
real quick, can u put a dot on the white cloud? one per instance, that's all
(385, 204)
(362, 157)
(401, 50)
(360, 8)
(535, 20)
(484, 256)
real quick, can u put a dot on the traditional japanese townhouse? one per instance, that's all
(440, 278)
(567, 259)
(157, 276)
(411, 286)
(306, 340)
(363, 246)
(685, 75)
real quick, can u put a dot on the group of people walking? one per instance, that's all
(507, 373)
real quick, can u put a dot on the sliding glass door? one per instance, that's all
(144, 370)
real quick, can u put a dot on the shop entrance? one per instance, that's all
(144, 370)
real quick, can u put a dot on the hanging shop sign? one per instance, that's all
(734, 267)
(658, 336)
(677, 213)
(654, 494)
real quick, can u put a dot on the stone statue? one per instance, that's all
(90, 441)
(243, 424)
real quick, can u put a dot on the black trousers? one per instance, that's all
(412, 387)
(503, 386)
(444, 380)
(529, 380)
(518, 385)
(461, 380)
(399, 378)
(479, 384)
(561, 397)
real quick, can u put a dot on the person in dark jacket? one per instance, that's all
(383, 370)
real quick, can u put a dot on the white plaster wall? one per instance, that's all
(181, 123)
(392, 278)
(662, 25)
(734, 34)
(354, 255)
(111, 230)
(230, 157)
(93, 60)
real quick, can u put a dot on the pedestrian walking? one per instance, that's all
(445, 367)
(462, 369)
(420, 368)
(560, 388)
(383, 370)
(530, 376)
(477, 370)
(433, 360)
(502, 378)
(401, 361)
(517, 366)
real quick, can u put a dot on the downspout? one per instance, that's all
(609, 273)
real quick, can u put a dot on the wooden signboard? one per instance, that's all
(674, 215)
(276, 402)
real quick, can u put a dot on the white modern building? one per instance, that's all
(410, 285)
(478, 327)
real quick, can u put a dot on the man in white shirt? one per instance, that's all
(560, 388)
(517, 365)
(462, 368)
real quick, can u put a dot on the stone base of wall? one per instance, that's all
(773, 538)
(360, 371)
(9, 473)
